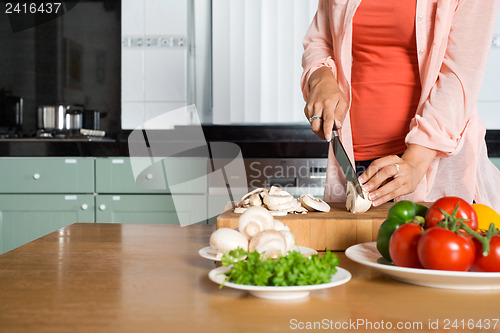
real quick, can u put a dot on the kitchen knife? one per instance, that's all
(344, 162)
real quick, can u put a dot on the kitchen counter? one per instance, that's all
(150, 278)
(257, 141)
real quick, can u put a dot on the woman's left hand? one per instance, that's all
(393, 176)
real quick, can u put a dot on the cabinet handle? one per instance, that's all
(102, 207)
(36, 176)
(85, 207)
(149, 176)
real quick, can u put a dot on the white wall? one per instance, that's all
(489, 97)
(154, 61)
(257, 60)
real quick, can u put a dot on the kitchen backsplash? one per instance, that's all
(155, 61)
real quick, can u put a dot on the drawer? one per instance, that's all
(141, 175)
(151, 208)
(47, 175)
(25, 217)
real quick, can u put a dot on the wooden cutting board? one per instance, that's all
(335, 230)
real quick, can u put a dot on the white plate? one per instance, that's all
(367, 254)
(293, 292)
(211, 254)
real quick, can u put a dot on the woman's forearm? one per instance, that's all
(419, 157)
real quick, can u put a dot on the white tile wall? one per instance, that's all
(132, 114)
(489, 97)
(165, 75)
(168, 115)
(166, 16)
(132, 75)
(154, 76)
(133, 17)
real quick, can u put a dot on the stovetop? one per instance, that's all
(41, 135)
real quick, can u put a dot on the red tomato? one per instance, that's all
(442, 249)
(403, 245)
(490, 263)
(448, 204)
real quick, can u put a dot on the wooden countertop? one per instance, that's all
(150, 278)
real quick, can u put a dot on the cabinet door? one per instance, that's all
(141, 175)
(47, 175)
(154, 209)
(26, 217)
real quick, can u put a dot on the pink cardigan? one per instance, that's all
(453, 42)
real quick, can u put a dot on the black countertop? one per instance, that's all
(259, 141)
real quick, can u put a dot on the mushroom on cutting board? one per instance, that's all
(354, 202)
(254, 220)
(269, 243)
(224, 240)
(312, 203)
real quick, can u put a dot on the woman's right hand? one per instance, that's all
(325, 100)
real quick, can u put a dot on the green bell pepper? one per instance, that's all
(400, 213)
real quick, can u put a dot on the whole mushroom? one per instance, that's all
(224, 240)
(254, 220)
(269, 243)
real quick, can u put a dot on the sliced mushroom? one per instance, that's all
(312, 203)
(254, 220)
(225, 239)
(255, 200)
(249, 194)
(286, 205)
(269, 243)
(240, 210)
(301, 210)
(354, 202)
(278, 212)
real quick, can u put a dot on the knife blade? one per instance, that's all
(344, 162)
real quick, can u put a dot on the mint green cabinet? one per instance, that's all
(145, 175)
(26, 217)
(154, 209)
(41, 195)
(47, 175)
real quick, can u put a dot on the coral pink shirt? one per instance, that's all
(385, 81)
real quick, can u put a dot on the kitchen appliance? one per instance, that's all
(344, 162)
(91, 119)
(52, 117)
(295, 175)
(74, 120)
(11, 112)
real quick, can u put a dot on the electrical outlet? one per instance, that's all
(136, 42)
(165, 41)
(178, 41)
(151, 42)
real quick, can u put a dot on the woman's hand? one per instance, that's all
(325, 100)
(392, 176)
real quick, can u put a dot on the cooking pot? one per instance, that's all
(74, 120)
(52, 117)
